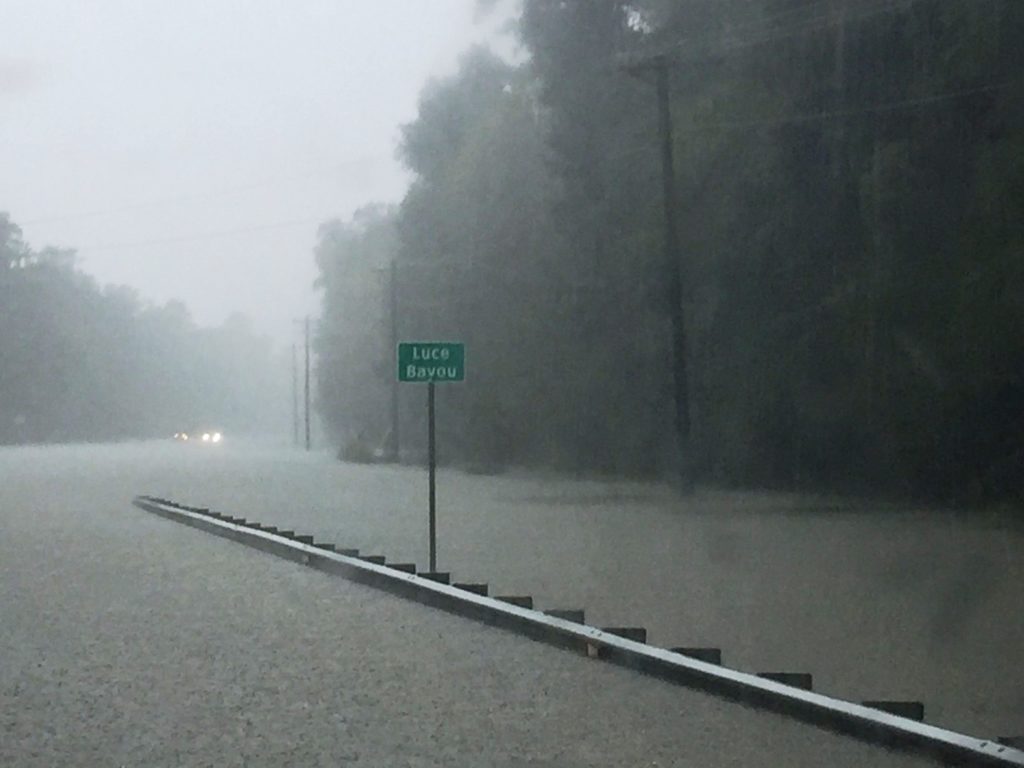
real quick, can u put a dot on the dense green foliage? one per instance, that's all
(851, 191)
(81, 362)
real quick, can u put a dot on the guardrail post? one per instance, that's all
(441, 577)
(476, 589)
(913, 710)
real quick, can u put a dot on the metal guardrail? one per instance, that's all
(857, 720)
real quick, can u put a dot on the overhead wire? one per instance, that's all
(726, 43)
(892, 106)
(196, 237)
(807, 26)
(827, 20)
(922, 102)
(765, 22)
(176, 199)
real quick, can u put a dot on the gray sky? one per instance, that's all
(190, 148)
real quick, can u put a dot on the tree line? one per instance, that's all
(84, 362)
(850, 180)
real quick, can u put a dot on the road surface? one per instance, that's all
(128, 640)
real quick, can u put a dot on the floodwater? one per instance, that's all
(876, 602)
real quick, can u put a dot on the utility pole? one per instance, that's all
(307, 383)
(674, 282)
(295, 397)
(394, 443)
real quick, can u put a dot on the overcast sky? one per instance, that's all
(189, 148)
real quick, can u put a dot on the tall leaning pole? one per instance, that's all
(308, 442)
(659, 66)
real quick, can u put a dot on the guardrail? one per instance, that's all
(892, 724)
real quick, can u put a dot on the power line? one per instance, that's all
(807, 6)
(765, 22)
(176, 199)
(825, 21)
(725, 44)
(202, 236)
(892, 106)
(922, 102)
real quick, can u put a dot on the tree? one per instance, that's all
(849, 179)
(81, 362)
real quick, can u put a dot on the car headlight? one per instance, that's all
(216, 437)
(206, 437)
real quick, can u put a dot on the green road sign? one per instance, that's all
(426, 361)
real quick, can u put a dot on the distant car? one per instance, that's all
(201, 436)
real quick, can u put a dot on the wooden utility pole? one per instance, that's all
(308, 443)
(673, 268)
(394, 443)
(295, 397)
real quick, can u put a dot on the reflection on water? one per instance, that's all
(876, 602)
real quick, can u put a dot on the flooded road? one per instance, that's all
(875, 603)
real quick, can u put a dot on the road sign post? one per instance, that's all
(430, 362)
(432, 471)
